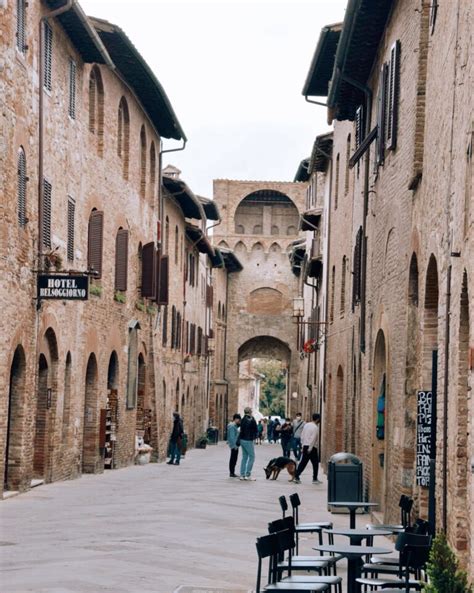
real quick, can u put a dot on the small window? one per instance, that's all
(22, 179)
(333, 286)
(46, 227)
(343, 287)
(47, 56)
(123, 135)
(72, 89)
(121, 260)
(21, 26)
(71, 208)
(336, 183)
(392, 92)
(152, 173)
(176, 245)
(142, 162)
(95, 242)
(347, 170)
(164, 336)
(381, 116)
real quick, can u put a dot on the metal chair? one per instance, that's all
(315, 527)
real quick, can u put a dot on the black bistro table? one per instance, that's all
(354, 560)
(353, 506)
(357, 535)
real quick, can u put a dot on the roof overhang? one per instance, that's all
(140, 78)
(210, 208)
(296, 256)
(322, 64)
(187, 201)
(363, 27)
(321, 153)
(232, 263)
(199, 239)
(302, 174)
(217, 260)
(309, 220)
(81, 33)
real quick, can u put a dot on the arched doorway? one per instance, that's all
(142, 404)
(339, 411)
(111, 412)
(379, 420)
(13, 446)
(90, 442)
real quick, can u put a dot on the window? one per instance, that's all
(72, 89)
(123, 135)
(46, 226)
(132, 376)
(95, 241)
(96, 107)
(167, 236)
(199, 341)
(148, 284)
(176, 245)
(22, 179)
(381, 116)
(21, 26)
(71, 209)
(173, 327)
(152, 173)
(164, 336)
(347, 170)
(178, 330)
(139, 270)
(47, 56)
(333, 286)
(359, 126)
(392, 90)
(142, 162)
(356, 278)
(343, 287)
(121, 259)
(336, 182)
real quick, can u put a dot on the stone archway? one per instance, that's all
(379, 420)
(14, 440)
(90, 442)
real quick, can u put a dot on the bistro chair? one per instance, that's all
(268, 548)
(316, 527)
(283, 505)
(406, 504)
(419, 527)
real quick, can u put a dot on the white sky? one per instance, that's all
(233, 71)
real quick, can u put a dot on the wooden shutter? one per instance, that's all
(163, 289)
(121, 259)
(21, 25)
(359, 126)
(21, 188)
(209, 296)
(393, 91)
(47, 56)
(148, 270)
(96, 238)
(157, 274)
(381, 105)
(46, 226)
(165, 326)
(72, 89)
(357, 269)
(199, 341)
(173, 327)
(71, 207)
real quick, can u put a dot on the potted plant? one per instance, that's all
(443, 570)
(202, 441)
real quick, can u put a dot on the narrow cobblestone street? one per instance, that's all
(149, 529)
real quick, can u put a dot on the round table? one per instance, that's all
(357, 535)
(354, 560)
(353, 506)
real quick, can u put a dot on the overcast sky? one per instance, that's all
(233, 71)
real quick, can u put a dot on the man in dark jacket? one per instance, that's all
(176, 439)
(248, 434)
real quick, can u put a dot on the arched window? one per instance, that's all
(275, 230)
(167, 236)
(257, 229)
(96, 107)
(152, 173)
(336, 182)
(123, 135)
(333, 286)
(347, 170)
(67, 396)
(143, 162)
(173, 327)
(21, 187)
(176, 245)
(121, 259)
(343, 286)
(21, 25)
(240, 229)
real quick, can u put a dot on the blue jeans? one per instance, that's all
(175, 452)
(296, 446)
(248, 458)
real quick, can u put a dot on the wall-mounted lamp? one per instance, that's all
(298, 307)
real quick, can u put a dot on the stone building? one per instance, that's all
(83, 125)
(260, 222)
(399, 259)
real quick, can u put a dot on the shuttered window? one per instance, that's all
(47, 56)
(336, 182)
(333, 287)
(165, 326)
(71, 208)
(187, 338)
(393, 91)
(359, 126)
(381, 116)
(95, 242)
(163, 288)
(46, 215)
(21, 25)
(121, 259)
(173, 327)
(21, 187)
(149, 270)
(72, 88)
(356, 278)
(342, 307)
(178, 331)
(143, 162)
(199, 341)
(192, 339)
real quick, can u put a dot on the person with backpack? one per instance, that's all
(248, 434)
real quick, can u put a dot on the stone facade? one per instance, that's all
(414, 205)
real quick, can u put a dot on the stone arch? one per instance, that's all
(113, 371)
(264, 346)
(275, 248)
(379, 426)
(90, 439)
(240, 248)
(265, 301)
(14, 436)
(257, 247)
(339, 415)
(430, 321)
(223, 244)
(266, 212)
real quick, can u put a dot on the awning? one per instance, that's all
(217, 260)
(322, 64)
(232, 263)
(141, 79)
(321, 153)
(302, 174)
(187, 201)
(198, 237)
(363, 27)
(310, 219)
(210, 208)
(296, 256)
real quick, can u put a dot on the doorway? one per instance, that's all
(13, 466)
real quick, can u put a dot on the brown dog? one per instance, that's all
(275, 466)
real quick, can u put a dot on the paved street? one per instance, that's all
(148, 529)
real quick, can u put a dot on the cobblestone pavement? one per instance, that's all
(149, 529)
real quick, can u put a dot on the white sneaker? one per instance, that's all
(242, 478)
(250, 479)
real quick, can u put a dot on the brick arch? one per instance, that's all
(430, 320)
(265, 211)
(90, 439)
(265, 301)
(380, 384)
(339, 411)
(264, 346)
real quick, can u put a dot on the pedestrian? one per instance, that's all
(286, 433)
(176, 440)
(310, 452)
(276, 430)
(298, 424)
(233, 442)
(270, 427)
(248, 433)
(259, 432)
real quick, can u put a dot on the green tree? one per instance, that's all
(443, 570)
(273, 386)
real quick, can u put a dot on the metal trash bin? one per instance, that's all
(345, 480)
(212, 435)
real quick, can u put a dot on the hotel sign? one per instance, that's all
(424, 418)
(64, 288)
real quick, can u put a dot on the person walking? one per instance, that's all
(286, 433)
(270, 427)
(248, 434)
(298, 424)
(176, 439)
(233, 442)
(310, 444)
(259, 432)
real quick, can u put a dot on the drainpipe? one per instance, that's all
(445, 399)
(315, 102)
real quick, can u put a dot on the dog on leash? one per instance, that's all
(275, 466)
